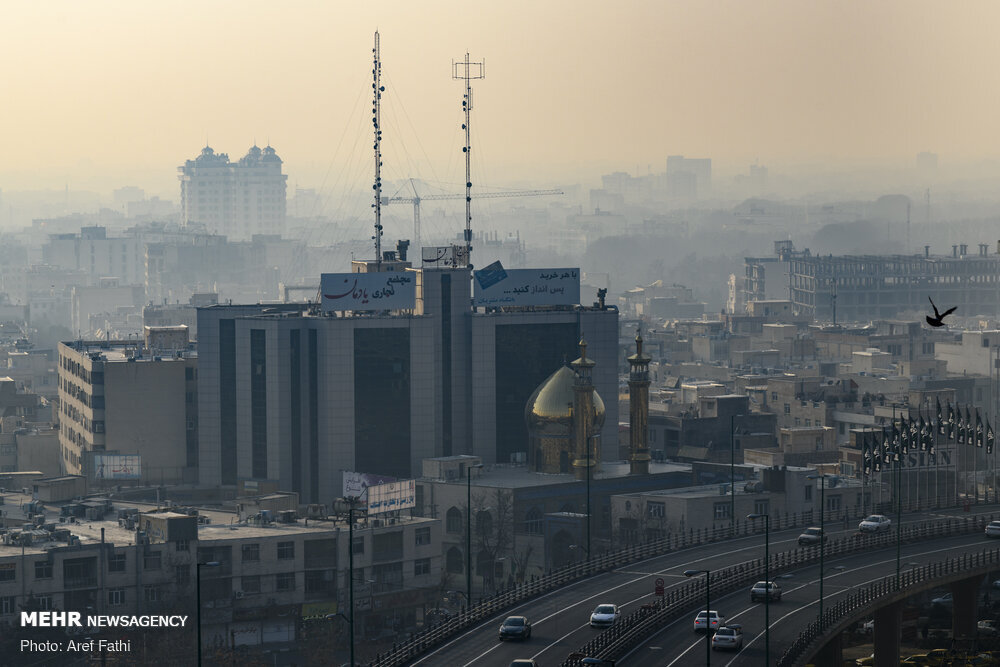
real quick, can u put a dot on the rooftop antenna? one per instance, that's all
(467, 71)
(377, 90)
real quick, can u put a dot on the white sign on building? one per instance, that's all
(392, 496)
(367, 291)
(355, 483)
(117, 466)
(529, 287)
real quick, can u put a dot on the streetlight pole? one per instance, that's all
(352, 501)
(732, 469)
(708, 612)
(588, 500)
(822, 536)
(767, 583)
(197, 585)
(468, 534)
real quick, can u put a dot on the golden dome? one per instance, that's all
(549, 411)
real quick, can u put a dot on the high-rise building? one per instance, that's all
(234, 199)
(290, 395)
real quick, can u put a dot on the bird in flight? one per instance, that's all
(936, 321)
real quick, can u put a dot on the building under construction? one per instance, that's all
(872, 287)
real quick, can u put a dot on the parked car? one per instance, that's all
(515, 627)
(728, 637)
(524, 662)
(943, 600)
(811, 536)
(604, 616)
(765, 590)
(987, 628)
(708, 620)
(865, 662)
(876, 523)
(993, 529)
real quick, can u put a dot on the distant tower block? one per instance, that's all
(588, 417)
(638, 399)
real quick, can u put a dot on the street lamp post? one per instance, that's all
(197, 576)
(351, 502)
(468, 533)
(708, 612)
(588, 500)
(767, 583)
(732, 469)
(822, 536)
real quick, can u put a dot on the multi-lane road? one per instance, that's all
(560, 619)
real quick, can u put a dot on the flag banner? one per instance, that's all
(960, 429)
(923, 434)
(980, 435)
(950, 422)
(940, 417)
(969, 428)
(989, 437)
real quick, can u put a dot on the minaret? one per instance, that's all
(638, 401)
(583, 416)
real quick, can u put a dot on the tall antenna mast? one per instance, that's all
(377, 90)
(468, 71)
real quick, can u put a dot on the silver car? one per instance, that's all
(993, 529)
(604, 616)
(728, 637)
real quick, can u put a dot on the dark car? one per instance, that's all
(811, 536)
(524, 662)
(515, 627)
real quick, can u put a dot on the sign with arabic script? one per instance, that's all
(391, 496)
(530, 287)
(368, 291)
(117, 466)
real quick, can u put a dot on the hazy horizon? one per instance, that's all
(106, 94)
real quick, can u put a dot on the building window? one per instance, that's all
(285, 581)
(761, 506)
(251, 553)
(150, 593)
(152, 560)
(116, 597)
(421, 566)
(722, 510)
(251, 585)
(422, 536)
(656, 510)
(44, 602)
(182, 545)
(7, 605)
(43, 569)
(833, 503)
(809, 493)
(286, 550)
(788, 409)
(454, 520)
(8, 572)
(182, 575)
(533, 521)
(454, 561)
(358, 545)
(116, 563)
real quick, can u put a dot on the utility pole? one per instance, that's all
(467, 71)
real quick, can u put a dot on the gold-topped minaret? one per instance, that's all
(584, 444)
(638, 400)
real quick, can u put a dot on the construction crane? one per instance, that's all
(416, 199)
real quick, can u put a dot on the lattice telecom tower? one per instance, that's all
(467, 71)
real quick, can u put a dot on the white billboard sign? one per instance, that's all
(355, 483)
(529, 287)
(391, 496)
(368, 291)
(117, 466)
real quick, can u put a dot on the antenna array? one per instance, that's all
(467, 71)
(377, 90)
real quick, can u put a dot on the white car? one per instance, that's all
(728, 637)
(876, 523)
(993, 529)
(604, 616)
(713, 621)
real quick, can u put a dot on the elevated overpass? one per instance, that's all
(560, 613)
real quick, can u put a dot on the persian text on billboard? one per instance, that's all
(355, 483)
(367, 291)
(391, 497)
(531, 287)
(447, 256)
(117, 466)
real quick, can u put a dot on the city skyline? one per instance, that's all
(122, 94)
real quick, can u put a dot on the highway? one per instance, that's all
(560, 618)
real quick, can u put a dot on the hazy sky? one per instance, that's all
(100, 94)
